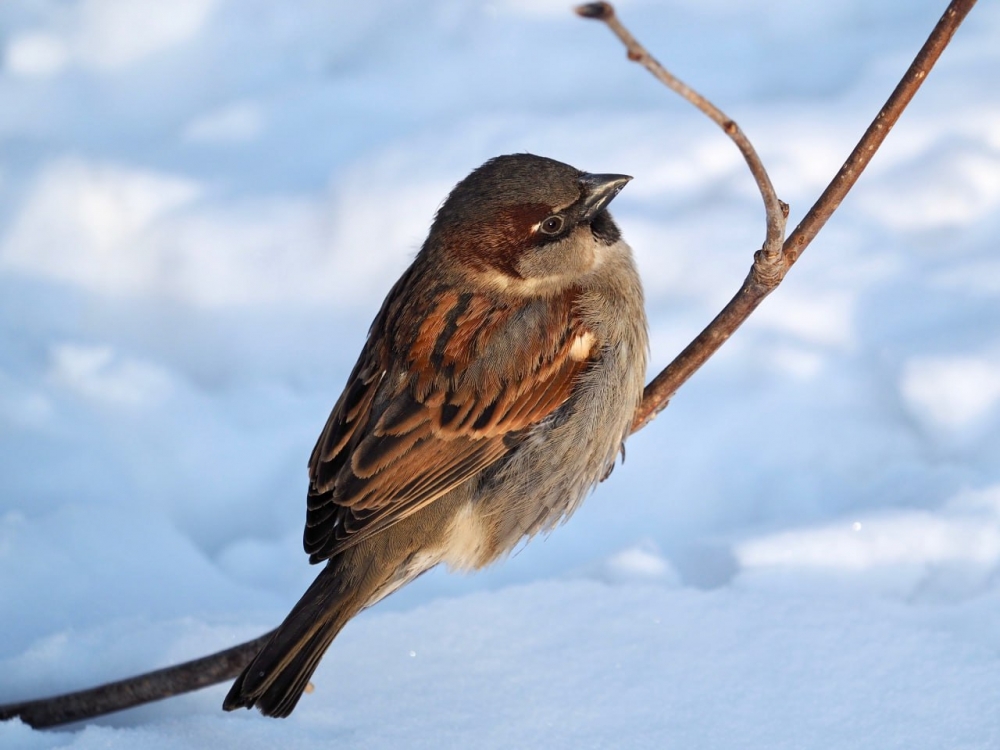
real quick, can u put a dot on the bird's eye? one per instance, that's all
(552, 225)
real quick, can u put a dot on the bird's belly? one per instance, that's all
(546, 478)
(467, 542)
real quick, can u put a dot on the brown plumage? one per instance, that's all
(496, 387)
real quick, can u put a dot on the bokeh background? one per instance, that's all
(202, 205)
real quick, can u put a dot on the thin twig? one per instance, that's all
(870, 142)
(768, 270)
(775, 210)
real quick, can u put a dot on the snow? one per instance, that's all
(202, 204)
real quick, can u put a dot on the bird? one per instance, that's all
(495, 389)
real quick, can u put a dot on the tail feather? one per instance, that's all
(275, 680)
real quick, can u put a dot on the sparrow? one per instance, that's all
(495, 389)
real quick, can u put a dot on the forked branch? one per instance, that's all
(770, 265)
(774, 259)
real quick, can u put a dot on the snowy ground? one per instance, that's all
(202, 204)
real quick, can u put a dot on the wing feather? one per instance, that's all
(430, 406)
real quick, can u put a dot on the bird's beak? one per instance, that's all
(598, 191)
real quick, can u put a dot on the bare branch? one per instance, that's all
(134, 691)
(870, 142)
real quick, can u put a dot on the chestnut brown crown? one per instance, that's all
(526, 218)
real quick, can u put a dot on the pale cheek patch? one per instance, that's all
(582, 346)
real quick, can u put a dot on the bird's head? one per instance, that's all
(527, 224)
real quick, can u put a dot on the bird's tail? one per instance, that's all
(275, 680)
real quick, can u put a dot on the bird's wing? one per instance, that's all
(467, 382)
